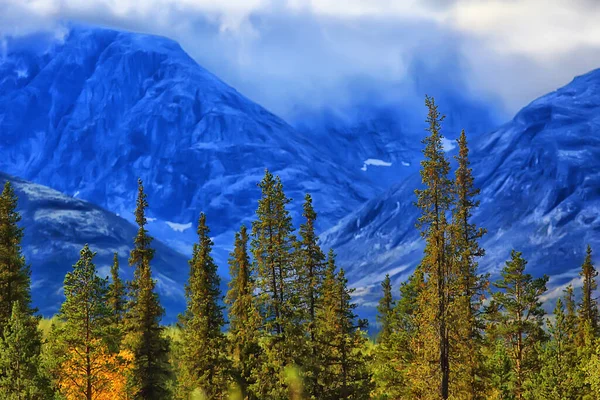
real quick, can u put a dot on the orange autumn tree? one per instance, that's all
(83, 349)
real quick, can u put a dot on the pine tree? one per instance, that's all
(271, 246)
(310, 270)
(116, 293)
(272, 249)
(434, 201)
(557, 361)
(244, 319)
(85, 337)
(145, 337)
(342, 357)
(20, 346)
(588, 308)
(517, 316)
(466, 326)
(203, 363)
(15, 275)
(385, 310)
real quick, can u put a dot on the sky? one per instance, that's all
(297, 55)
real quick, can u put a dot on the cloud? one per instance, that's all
(293, 54)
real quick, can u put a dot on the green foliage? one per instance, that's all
(588, 308)
(385, 310)
(79, 346)
(203, 365)
(116, 293)
(343, 356)
(20, 346)
(244, 319)
(144, 334)
(517, 316)
(15, 274)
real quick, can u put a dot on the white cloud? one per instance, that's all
(286, 53)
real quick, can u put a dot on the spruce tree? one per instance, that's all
(385, 310)
(116, 293)
(517, 316)
(244, 319)
(15, 275)
(434, 202)
(588, 308)
(466, 327)
(343, 358)
(203, 362)
(145, 336)
(272, 248)
(83, 342)
(20, 375)
(272, 244)
(558, 361)
(310, 270)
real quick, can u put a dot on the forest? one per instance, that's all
(287, 329)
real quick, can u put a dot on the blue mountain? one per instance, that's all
(539, 176)
(92, 113)
(58, 226)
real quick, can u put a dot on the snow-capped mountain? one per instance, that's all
(89, 115)
(539, 176)
(57, 227)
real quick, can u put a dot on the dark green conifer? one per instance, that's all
(116, 293)
(15, 275)
(20, 346)
(588, 308)
(517, 316)
(145, 336)
(434, 202)
(310, 270)
(466, 327)
(343, 356)
(385, 310)
(203, 361)
(81, 343)
(272, 247)
(244, 319)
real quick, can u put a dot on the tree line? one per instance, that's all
(287, 329)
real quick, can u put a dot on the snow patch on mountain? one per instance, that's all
(375, 162)
(179, 227)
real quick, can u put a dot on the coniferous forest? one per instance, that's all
(287, 328)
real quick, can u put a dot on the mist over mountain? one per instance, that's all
(539, 178)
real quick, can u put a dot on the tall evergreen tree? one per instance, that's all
(116, 293)
(558, 361)
(588, 308)
(82, 343)
(272, 247)
(343, 356)
(244, 319)
(272, 244)
(434, 201)
(466, 327)
(310, 266)
(385, 310)
(145, 336)
(20, 346)
(15, 275)
(517, 316)
(203, 363)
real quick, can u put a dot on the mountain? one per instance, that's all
(57, 227)
(381, 139)
(539, 176)
(92, 113)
